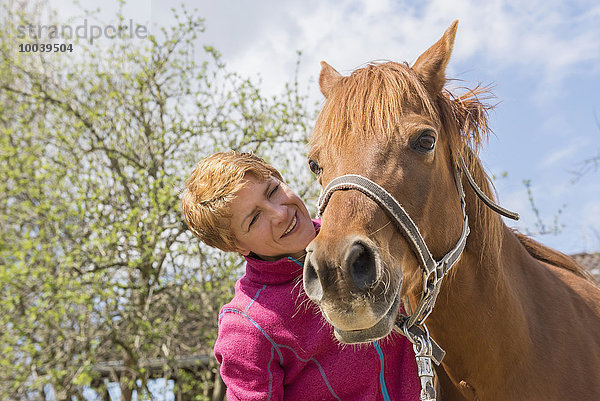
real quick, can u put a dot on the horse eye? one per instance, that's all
(314, 167)
(426, 141)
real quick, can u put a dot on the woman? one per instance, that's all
(273, 344)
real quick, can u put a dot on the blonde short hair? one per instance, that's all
(210, 189)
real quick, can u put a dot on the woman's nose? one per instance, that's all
(279, 213)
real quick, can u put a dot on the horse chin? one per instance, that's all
(380, 330)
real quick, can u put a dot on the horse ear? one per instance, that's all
(328, 78)
(431, 65)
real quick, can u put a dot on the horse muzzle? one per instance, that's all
(353, 290)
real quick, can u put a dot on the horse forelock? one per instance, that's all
(369, 105)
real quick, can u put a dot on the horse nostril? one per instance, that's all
(361, 266)
(310, 278)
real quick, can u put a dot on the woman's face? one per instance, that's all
(270, 220)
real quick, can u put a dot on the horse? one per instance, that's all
(516, 319)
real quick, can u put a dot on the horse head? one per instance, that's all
(397, 126)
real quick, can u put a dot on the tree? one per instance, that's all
(96, 261)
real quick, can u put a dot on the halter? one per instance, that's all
(413, 326)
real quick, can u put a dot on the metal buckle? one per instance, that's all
(424, 355)
(413, 332)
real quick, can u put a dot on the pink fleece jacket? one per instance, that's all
(273, 344)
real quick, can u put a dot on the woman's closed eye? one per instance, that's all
(269, 195)
(254, 218)
(273, 190)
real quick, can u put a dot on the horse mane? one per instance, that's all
(469, 113)
(465, 120)
(553, 257)
(373, 101)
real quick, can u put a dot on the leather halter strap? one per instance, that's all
(484, 198)
(401, 219)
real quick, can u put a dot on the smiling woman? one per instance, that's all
(271, 343)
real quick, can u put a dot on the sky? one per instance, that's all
(541, 57)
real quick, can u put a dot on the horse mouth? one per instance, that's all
(380, 330)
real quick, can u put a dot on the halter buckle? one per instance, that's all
(423, 348)
(414, 332)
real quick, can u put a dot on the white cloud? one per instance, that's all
(536, 37)
(591, 213)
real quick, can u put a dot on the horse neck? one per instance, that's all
(492, 305)
(478, 308)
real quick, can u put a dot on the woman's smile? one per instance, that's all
(292, 226)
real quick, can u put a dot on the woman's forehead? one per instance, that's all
(253, 189)
(255, 178)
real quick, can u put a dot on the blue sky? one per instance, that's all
(543, 58)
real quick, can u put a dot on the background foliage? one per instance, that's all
(96, 263)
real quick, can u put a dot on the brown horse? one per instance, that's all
(518, 321)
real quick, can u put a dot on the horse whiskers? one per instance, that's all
(304, 304)
(387, 280)
(298, 282)
(379, 229)
(302, 301)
